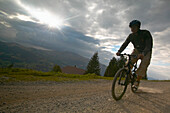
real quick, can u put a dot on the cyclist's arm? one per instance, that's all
(149, 43)
(125, 44)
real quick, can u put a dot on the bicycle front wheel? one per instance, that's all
(119, 84)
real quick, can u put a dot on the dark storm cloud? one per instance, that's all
(92, 17)
(67, 40)
(114, 14)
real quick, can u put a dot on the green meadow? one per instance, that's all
(18, 74)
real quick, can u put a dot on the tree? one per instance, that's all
(93, 65)
(56, 68)
(114, 66)
(121, 62)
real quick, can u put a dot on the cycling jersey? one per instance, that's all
(141, 40)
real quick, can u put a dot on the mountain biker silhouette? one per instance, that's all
(143, 43)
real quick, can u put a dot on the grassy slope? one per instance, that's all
(16, 74)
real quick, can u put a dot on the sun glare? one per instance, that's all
(44, 16)
(49, 19)
(53, 21)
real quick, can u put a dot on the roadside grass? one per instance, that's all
(18, 74)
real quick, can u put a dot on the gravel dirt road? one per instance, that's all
(85, 96)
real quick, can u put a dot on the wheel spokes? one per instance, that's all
(120, 85)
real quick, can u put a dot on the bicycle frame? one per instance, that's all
(130, 73)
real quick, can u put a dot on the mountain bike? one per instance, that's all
(123, 77)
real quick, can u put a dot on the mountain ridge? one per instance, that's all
(39, 59)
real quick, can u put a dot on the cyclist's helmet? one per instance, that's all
(135, 22)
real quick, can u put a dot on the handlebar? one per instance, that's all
(129, 55)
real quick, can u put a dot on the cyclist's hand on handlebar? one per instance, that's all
(118, 53)
(140, 56)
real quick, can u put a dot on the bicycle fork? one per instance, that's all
(126, 82)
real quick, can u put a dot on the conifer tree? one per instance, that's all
(121, 62)
(114, 66)
(93, 65)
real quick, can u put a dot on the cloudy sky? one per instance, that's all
(87, 26)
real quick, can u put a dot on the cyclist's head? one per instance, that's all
(135, 25)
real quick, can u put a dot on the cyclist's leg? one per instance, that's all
(133, 60)
(141, 72)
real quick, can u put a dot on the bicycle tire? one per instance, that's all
(116, 79)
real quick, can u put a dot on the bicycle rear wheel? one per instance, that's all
(119, 84)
